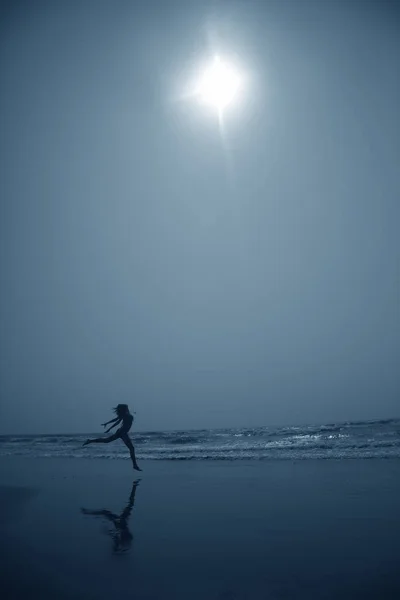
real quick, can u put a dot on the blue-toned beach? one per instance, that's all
(202, 529)
(199, 300)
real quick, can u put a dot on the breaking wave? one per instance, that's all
(358, 439)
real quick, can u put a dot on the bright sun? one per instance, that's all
(218, 85)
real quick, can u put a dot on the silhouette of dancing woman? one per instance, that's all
(122, 536)
(123, 414)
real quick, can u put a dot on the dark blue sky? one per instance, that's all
(252, 281)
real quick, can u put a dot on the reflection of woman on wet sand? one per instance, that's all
(122, 536)
(124, 416)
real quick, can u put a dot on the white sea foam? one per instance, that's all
(371, 439)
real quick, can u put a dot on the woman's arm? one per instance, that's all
(118, 420)
(112, 421)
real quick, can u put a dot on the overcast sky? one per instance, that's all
(206, 281)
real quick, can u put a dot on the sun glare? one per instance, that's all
(218, 85)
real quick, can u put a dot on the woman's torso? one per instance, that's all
(127, 421)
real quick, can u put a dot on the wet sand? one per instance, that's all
(199, 530)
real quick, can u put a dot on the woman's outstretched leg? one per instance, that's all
(107, 440)
(127, 441)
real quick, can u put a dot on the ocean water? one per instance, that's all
(358, 439)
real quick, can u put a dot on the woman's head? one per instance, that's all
(121, 410)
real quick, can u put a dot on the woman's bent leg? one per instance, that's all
(128, 442)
